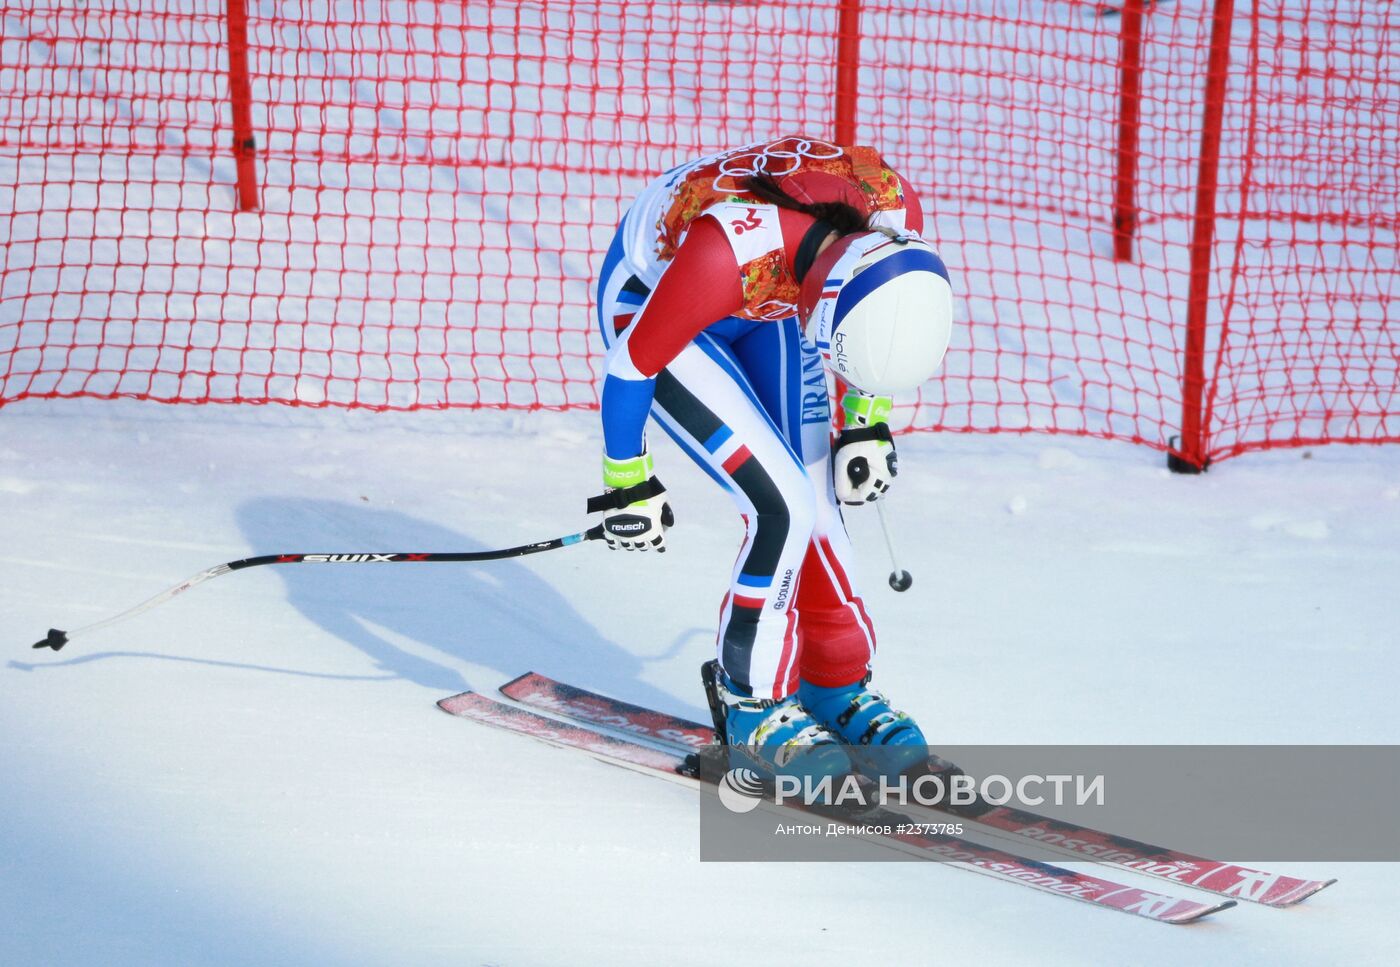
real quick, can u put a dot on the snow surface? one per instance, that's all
(255, 772)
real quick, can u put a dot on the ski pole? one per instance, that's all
(900, 579)
(56, 638)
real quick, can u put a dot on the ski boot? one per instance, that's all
(881, 740)
(772, 737)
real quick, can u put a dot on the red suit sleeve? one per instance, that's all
(701, 286)
(698, 288)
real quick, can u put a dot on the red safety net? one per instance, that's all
(430, 187)
(1307, 272)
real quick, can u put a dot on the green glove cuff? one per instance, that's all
(618, 474)
(863, 410)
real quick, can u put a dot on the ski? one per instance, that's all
(672, 764)
(1184, 869)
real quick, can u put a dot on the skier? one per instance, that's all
(734, 284)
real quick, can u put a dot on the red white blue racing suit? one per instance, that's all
(697, 302)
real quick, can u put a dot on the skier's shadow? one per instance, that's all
(498, 615)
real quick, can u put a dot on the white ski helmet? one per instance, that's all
(880, 308)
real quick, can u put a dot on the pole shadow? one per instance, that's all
(495, 614)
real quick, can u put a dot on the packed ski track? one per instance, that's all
(256, 773)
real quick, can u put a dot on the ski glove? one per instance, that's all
(864, 461)
(636, 513)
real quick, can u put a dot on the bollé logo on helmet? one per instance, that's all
(838, 352)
